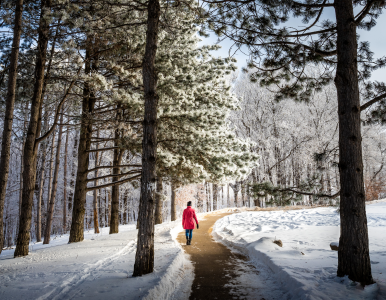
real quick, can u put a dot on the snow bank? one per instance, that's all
(99, 267)
(306, 266)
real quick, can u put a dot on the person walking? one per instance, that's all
(188, 218)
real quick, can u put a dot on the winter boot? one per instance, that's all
(190, 241)
(187, 241)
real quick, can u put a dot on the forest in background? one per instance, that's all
(287, 137)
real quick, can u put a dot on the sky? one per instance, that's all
(376, 37)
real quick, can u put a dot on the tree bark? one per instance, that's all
(353, 254)
(114, 213)
(215, 196)
(207, 194)
(95, 198)
(173, 203)
(73, 171)
(236, 188)
(50, 211)
(8, 116)
(125, 197)
(30, 148)
(228, 204)
(144, 258)
(65, 183)
(200, 202)
(118, 153)
(41, 186)
(158, 202)
(51, 169)
(108, 207)
(78, 211)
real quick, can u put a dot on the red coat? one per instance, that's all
(187, 218)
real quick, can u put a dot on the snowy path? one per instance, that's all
(99, 267)
(223, 274)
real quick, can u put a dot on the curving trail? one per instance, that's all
(219, 272)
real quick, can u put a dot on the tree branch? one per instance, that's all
(103, 149)
(371, 102)
(113, 183)
(311, 194)
(324, 4)
(114, 175)
(47, 134)
(110, 167)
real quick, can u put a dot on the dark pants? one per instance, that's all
(189, 233)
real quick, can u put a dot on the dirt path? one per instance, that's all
(217, 269)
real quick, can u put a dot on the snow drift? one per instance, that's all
(99, 267)
(306, 266)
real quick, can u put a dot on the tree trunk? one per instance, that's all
(51, 169)
(353, 254)
(243, 195)
(22, 156)
(108, 207)
(125, 196)
(158, 202)
(215, 196)
(114, 212)
(73, 170)
(65, 184)
(144, 258)
(228, 204)
(207, 193)
(50, 211)
(236, 188)
(173, 204)
(8, 116)
(41, 186)
(100, 212)
(78, 210)
(248, 195)
(30, 147)
(118, 154)
(95, 198)
(200, 202)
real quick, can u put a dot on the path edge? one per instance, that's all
(177, 281)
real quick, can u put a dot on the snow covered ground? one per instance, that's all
(305, 267)
(100, 267)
